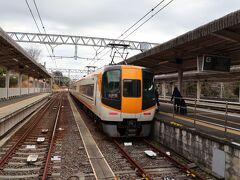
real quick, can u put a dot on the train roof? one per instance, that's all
(111, 67)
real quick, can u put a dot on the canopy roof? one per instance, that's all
(14, 57)
(220, 37)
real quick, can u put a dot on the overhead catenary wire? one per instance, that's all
(141, 18)
(135, 23)
(43, 27)
(32, 16)
(149, 19)
(30, 10)
(139, 25)
(35, 4)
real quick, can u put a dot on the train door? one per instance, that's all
(131, 92)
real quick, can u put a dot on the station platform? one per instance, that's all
(210, 122)
(209, 138)
(9, 107)
(211, 104)
(14, 111)
(17, 99)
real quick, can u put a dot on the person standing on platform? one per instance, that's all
(156, 99)
(176, 96)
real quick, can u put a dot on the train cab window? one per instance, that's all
(111, 85)
(148, 90)
(131, 88)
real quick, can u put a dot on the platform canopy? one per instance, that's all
(14, 57)
(220, 37)
(233, 75)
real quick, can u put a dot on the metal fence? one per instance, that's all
(218, 115)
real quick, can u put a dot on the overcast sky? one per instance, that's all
(109, 19)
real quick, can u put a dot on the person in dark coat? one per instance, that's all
(183, 107)
(177, 97)
(156, 99)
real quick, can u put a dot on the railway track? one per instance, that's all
(161, 166)
(130, 162)
(28, 153)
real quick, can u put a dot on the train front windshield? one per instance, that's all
(111, 84)
(148, 99)
(111, 95)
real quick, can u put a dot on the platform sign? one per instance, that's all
(216, 63)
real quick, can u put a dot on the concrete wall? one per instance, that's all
(219, 156)
(13, 92)
(24, 91)
(3, 92)
(31, 90)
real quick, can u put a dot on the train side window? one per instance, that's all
(148, 99)
(131, 88)
(87, 89)
(111, 84)
(148, 85)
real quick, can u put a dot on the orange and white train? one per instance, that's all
(121, 97)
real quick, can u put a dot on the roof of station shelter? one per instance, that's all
(14, 57)
(233, 75)
(220, 37)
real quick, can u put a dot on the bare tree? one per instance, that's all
(35, 53)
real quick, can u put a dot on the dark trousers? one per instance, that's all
(176, 105)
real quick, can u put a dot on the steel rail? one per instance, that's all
(46, 167)
(184, 168)
(30, 127)
(140, 170)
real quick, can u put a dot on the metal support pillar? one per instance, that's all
(173, 86)
(180, 82)
(198, 64)
(28, 82)
(198, 90)
(199, 67)
(44, 86)
(7, 82)
(33, 85)
(36, 85)
(221, 89)
(51, 83)
(239, 92)
(164, 89)
(20, 83)
(75, 52)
